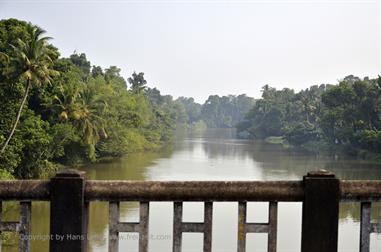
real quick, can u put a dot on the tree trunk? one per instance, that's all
(17, 117)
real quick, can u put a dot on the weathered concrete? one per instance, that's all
(320, 217)
(194, 190)
(67, 212)
(70, 195)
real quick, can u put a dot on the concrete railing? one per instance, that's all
(69, 193)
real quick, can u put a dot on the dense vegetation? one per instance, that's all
(225, 111)
(346, 116)
(217, 111)
(63, 110)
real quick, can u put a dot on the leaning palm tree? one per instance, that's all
(32, 64)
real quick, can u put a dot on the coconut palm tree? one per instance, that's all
(65, 103)
(31, 63)
(91, 109)
(84, 106)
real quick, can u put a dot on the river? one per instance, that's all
(217, 155)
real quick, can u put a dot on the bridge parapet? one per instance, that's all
(69, 193)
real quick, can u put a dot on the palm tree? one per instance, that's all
(91, 109)
(84, 106)
(65, 103)
(32, 63)
(138, 83)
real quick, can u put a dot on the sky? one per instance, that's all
(198, 48)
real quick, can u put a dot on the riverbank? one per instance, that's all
(325, 149)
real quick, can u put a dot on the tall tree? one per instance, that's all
(81, 61)
(96, 70)
(112, 75)
(138, 83)
(32, 63)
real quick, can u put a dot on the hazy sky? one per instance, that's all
(197, 48)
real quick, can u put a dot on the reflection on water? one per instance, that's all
(216, 155)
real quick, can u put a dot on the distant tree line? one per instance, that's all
(216, 112)
(345, 116)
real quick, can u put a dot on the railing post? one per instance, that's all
(320, 212)
(67, 212)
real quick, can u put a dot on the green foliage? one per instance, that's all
(138, 83)
(112, 75)
(192, 109)
(126, 141)
(302, 133)
(283, 113)
(96, 71)
(199, 126)
(216, 112)
(62, 135)
(85, 114)
(352, 114)
(29, 153)
(370, 140)
(225, 111)
(81, 61)
(29, 61)
(345, 116)
(275, 140)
